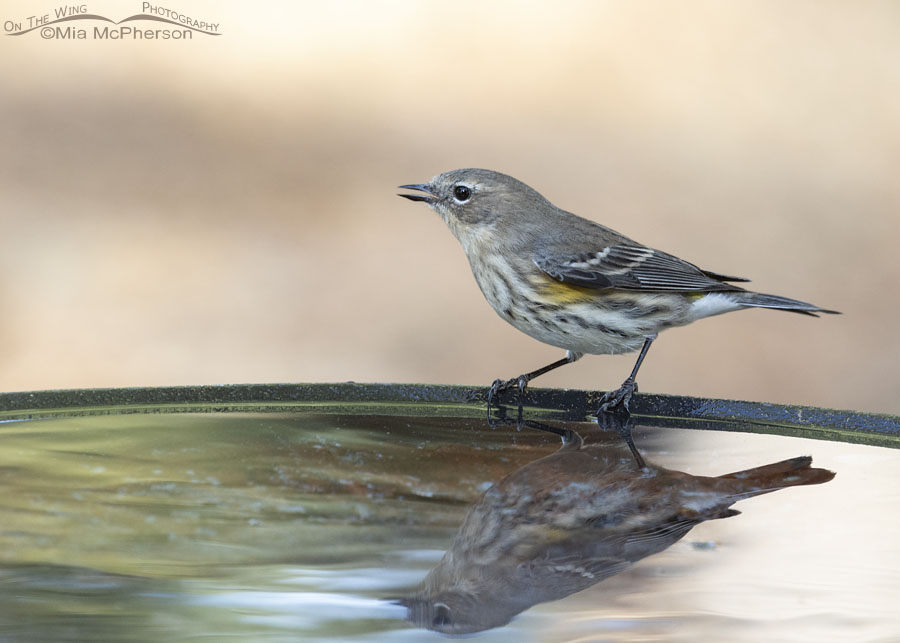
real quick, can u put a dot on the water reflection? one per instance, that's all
(564, 522)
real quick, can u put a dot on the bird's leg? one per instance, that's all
(619, 399)
(570, 439)
(522, 381)
(622, 426)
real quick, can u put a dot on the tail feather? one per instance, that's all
(771, 477)
(761, 300)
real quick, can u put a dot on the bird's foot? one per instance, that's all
(621, 424)
(499, 386)
(618, 401)
(502, 419)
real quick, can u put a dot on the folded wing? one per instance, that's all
(631, 267)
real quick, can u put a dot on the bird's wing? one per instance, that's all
(630, 266)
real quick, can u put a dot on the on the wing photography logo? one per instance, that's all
(74, 22)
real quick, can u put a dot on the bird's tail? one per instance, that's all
(772, 477)
(759, 300)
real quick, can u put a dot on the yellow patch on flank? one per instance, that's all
(557, 292)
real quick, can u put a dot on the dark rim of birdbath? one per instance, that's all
(424, 400)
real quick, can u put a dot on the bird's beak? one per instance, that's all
(423, 187)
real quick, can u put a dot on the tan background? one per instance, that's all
(224, 210)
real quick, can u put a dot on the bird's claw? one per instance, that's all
(618, 401)
(495, 389)
(499, 386)
(607, 419)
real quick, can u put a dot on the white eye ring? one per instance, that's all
(462, 193)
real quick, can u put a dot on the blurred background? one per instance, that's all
(223, 209)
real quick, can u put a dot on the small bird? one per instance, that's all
(569, 520)
(572, 283)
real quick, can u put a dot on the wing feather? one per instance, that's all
(631, 267)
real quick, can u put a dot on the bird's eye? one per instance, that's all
(441, 615)
(462, 193)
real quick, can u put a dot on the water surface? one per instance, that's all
(311, 526)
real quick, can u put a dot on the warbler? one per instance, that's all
(572, 283)
(567, 521)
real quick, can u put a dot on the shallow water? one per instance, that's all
(265, 527)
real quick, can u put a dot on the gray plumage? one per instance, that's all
(567, 521)
(573, 283)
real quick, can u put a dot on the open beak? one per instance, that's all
(422, 187)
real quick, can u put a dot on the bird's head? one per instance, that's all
(453, 612)
(473, 200)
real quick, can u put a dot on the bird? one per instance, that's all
(573, 283)
(569, 520)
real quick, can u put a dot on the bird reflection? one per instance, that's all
(562, 523)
